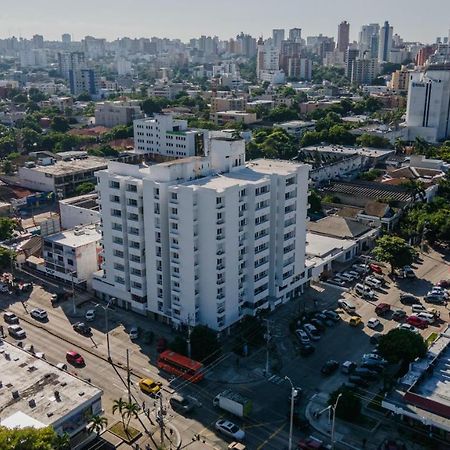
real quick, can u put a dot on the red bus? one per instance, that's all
(181, 366)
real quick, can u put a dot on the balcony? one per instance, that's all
(176, 289)
(220, 206)
(175, 261)
(220, 282)
(220, 267)
(220, 297)
(175, 275)
(220, 221)
(219, 237)
(220, 252)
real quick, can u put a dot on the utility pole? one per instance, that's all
(73, 294)
(161, 417)
(268, 337)
(334, 420)
(128, 376)
(189, 336)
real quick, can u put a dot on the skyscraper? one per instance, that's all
(295, 34)
(385, 42)
(343, 36)
(368, 39)
(277, 37)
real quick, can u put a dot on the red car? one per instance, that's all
(444, 284)
(382, 308)
(75, 358)
(416, 322)
(375, 268)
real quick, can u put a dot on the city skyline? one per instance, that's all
(106, 20)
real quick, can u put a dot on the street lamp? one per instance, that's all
(73, 293)
(106, 308)
(334, 419)
(293, 395)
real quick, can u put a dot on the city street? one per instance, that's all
(268, 426)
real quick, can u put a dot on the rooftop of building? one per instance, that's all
(338, 227)
(44, 393)
(234, 113)
(76, 237)
(60, 168)
(296, 123)
(88, 201)
(340, 149)
(318, 246)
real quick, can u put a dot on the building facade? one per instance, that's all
(111, 114)
(204, 240)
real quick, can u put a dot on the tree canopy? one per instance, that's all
(349, 404)
(205, 346)
(393, 250)
(369, 140)
(401, 345)
(272, 143)
(31, 439)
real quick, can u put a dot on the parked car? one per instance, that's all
(372, 365)
(366, 374)
(334, 316)
(427, 317)
(90, 315)
(373, 357)
(360, 268)
(364, 291)
(372, 282)
(61, 366)
(10, 317)
(435, 298)
(181, 403)
(230, 429)
(347, 306)
(17, 332)
(440, 290)
(358, 381)
(354, 274)
(324, 319)
(416, 322)
(307, 349)
(82, 328)
(355, 321)
(373, 323)
(302, 336)
(418, 308)
(345, 276)
(375, 268)
(407, 272)
(329, 367)
(382, 308)
(337, 281)
(134, 333)
(318, 324)
(149, 386)
(408, 299)
(39, 313)
(444, 283)
(312, 332)
(408, 327)
(74, 358)
(348, 367)
(399, 315)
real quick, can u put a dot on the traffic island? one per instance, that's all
(127, 434)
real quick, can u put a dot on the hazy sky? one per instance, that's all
(412, 19)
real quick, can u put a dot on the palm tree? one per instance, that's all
(119, 406)
(97, 424)
(131, 411)
(62, 442)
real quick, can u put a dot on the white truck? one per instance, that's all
(234, 403)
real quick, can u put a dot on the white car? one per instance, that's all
(353, 274)
(39, 313)
(373, 282)
(347, 305)
(17, 332)
(364, 291)
(430, 318)
(230, 429)
(90, 315)
(408, 327)
(61, 366)
(418, 308)
(302, 336)
(337, 281)
(345, 276)
(373, 323)
(134, 333)
(312, 331)
(439, 291)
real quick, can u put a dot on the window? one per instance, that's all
(134, 231)
(132, 202)
(133, 216)
(289, 209)
(290, 181)
(174, 196)
(118, 253)
(117, 240)
(114, 198)
(114, 184)
(174, 211)
(116, 213)
(260, 275)
(156, 209)
(119, 280)
(173, 226)
(135, 258)
(262, 190)
(261, 288)
(134, 244)
(117, 226)
(70, 262)
(118, 266)
(136, 285)
(131, 188)
(156, 193)
(289, 235)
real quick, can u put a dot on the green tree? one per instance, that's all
(119, 406)
(394, 250)
(62, 442)
(60, 124)
(401, 346)
(369, 140)
(8, 167)
(85, 188)
(7, 226)
(97, 423)
(370, 175)
(205, 346)
(131, 411)
(315, 202)
(104, 150)
(349, 404)
(29, 438)
(178, 345)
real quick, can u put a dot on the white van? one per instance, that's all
(364, 291)
(347, 306)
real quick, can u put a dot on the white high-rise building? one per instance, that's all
(163, 135)
(369, 39)
(277, 37)
(267, 59)
(428, 110)
(204, 240)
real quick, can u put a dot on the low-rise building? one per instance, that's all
(76, 211)
(61, 177)
(228, 104)
(111, 114)
(165, 136)
(72, 255)
(37, 394)
(223, 117)
(296, 127)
